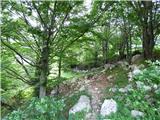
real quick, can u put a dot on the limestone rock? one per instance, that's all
(109, 106)
(136, 113)
(83, 104)
(136, 58)
(136, 71)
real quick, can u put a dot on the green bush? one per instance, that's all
(151, 73)
(45, 108)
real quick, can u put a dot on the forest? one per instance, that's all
(80, 60)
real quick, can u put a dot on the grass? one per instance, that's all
(120, 76)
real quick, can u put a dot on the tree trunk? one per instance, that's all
(105, 49)
(59, 72)
(44, 69)
(148, 43)
(147, 27)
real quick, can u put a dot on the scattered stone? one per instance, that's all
(123, 64)
(109, 106)
(82, 104)
(136, 113)
(126, 89)
(123, 90)
(113, 89)
(109, 66)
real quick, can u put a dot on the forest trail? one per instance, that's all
(95, 89)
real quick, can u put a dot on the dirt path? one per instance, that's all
(96, 89)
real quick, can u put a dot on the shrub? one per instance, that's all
(45, 108)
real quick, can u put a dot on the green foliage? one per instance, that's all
(46, 108)
(77, 116)
(150, 74)
(138, 98)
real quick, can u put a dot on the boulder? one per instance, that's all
(108, 107)
(137, 58)
(83, 104)
(136, 113)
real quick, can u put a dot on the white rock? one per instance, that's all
(110, 77)
(147, 88)
(136, 71)
(82, 104)
(130, 76)
(136, 113)
(139, 84)
(109, 106)
(53, 92)
(155, 86)
(123, 90)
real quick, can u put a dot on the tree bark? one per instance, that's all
(147, 27)
(44, 68)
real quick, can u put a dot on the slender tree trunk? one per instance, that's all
(44, 69)
(59, 72)
(105, 49)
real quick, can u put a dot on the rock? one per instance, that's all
(136, 71)
(155, 86)
(123, 90)
(139, 84)
(136, 113)
(113, 89)
(83, 104)
(123, 64)
(109, 106)
(130, 76)
(126, 89)
(110, 77)
(82, 88)
(147, 88)
(109, 66)
(137, 58)
(53, 92)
